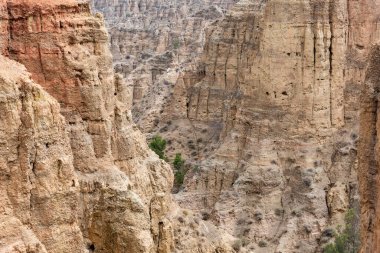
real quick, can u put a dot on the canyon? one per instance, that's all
(77, 175)
(268, 113)
(273, 104)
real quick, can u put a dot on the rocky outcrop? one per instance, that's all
(90, 184)
(78, 175)
(152, 40)
(268, 117)
(364, 68)
(39, 188)
(275, 101)
(368, 154)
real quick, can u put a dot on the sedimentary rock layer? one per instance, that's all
(364, 66)
(151, 38)
(119, 193)
(39, 189)
(268, 117)
(368, 153)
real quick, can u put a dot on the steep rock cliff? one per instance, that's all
(39, 188)
(269, 98)
(268, 117)
(363, 65)
(152, 40)
(79, 176)
(119, 194)
(368, 153)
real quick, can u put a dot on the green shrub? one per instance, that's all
(180, 170)
(178, 162)
(179, 177)
(158, 145)
(348, 239)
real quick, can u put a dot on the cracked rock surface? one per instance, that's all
(267, 115)
(77, 175)
(273, 104)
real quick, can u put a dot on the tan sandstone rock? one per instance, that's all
(117, 180)
(267, 115)
(268, 118)
(39, 189)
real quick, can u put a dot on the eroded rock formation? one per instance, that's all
(77, 174)
(262, 101)
(85, 181)
(268, 116)
(39, 188)
(269, 100)
(152, 40)
(368, 154)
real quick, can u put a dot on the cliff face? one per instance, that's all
(90, 182)
(368, 156)
(268, 116)
(278, 99)
(365, 52)
(141, 30)
(152, 40)
(39, 188)
(268, 110)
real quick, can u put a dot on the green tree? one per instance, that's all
(178, 161)
(158, 145)
(348, 239)
(179, 177)
(180, 171)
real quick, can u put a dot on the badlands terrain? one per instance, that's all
(269, 106)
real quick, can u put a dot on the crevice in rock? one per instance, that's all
(160, 233)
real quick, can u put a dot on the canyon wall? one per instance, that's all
(368, 156)
(39, 189)
(283, 101)
(151, 41)
(260, 97)
(268, 110)
(267, 116)
(77, 175)
(363, 64)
